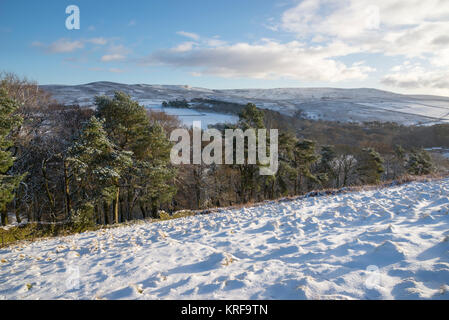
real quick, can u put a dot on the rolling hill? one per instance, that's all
(353, 105)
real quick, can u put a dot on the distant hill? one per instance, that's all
(354, 105)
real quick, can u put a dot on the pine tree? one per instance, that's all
(419, 163)
(399, 162)
(305, 156)
(325, 168)
(149, 181)
(97, 165)
(287, 172)
(8, 121)
(249, 118)
(126, 122)
(370, 166)
(155, 175)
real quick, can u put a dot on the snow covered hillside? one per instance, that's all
(389, 243)
(353, 105)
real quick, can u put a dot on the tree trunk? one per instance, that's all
(296, 186)
(67, 192)
(154, 211)
(128, 205)
(123, 215)
(106, 212)
(142, 209)
(17, 212)
(116, 205)
(47, 189)
(97, 214)
(4, 218)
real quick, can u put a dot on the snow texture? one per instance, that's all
(390, 243)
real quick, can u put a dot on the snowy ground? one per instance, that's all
(383, 244)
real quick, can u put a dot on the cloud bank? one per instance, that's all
(265, 60)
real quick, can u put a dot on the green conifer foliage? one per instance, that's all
(8, 121)
(97, 165)
(370, 166)
(419, 163)
(150, 180)
(305, 157)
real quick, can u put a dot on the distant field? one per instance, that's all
(344, 105)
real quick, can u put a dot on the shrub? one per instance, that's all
(84, 217)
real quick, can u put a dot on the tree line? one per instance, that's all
(109, 164)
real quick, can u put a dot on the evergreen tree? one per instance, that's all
(325, 170)
(305, 157)
(8, 182)
(370, 166)
(155, 175)
(126, 122)
(287, 172)
(249, 118)
(149, 181)
(97, 165)
(419, 163)
(399, 161)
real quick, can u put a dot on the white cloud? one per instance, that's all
(407, 29)
(215, 42)
(190, 35)
(189, 45)
(112, 57)
(64, 45)
(356, 19)
(98, 41)
(410, 28)
(326, 31)
(265, 60)
(415, 76)
(185, 46)
(115, 53)
(60, 46)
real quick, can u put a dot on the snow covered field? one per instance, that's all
(390, 243)
(187, 116)
(332, 104)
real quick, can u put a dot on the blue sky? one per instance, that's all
(398, 45)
